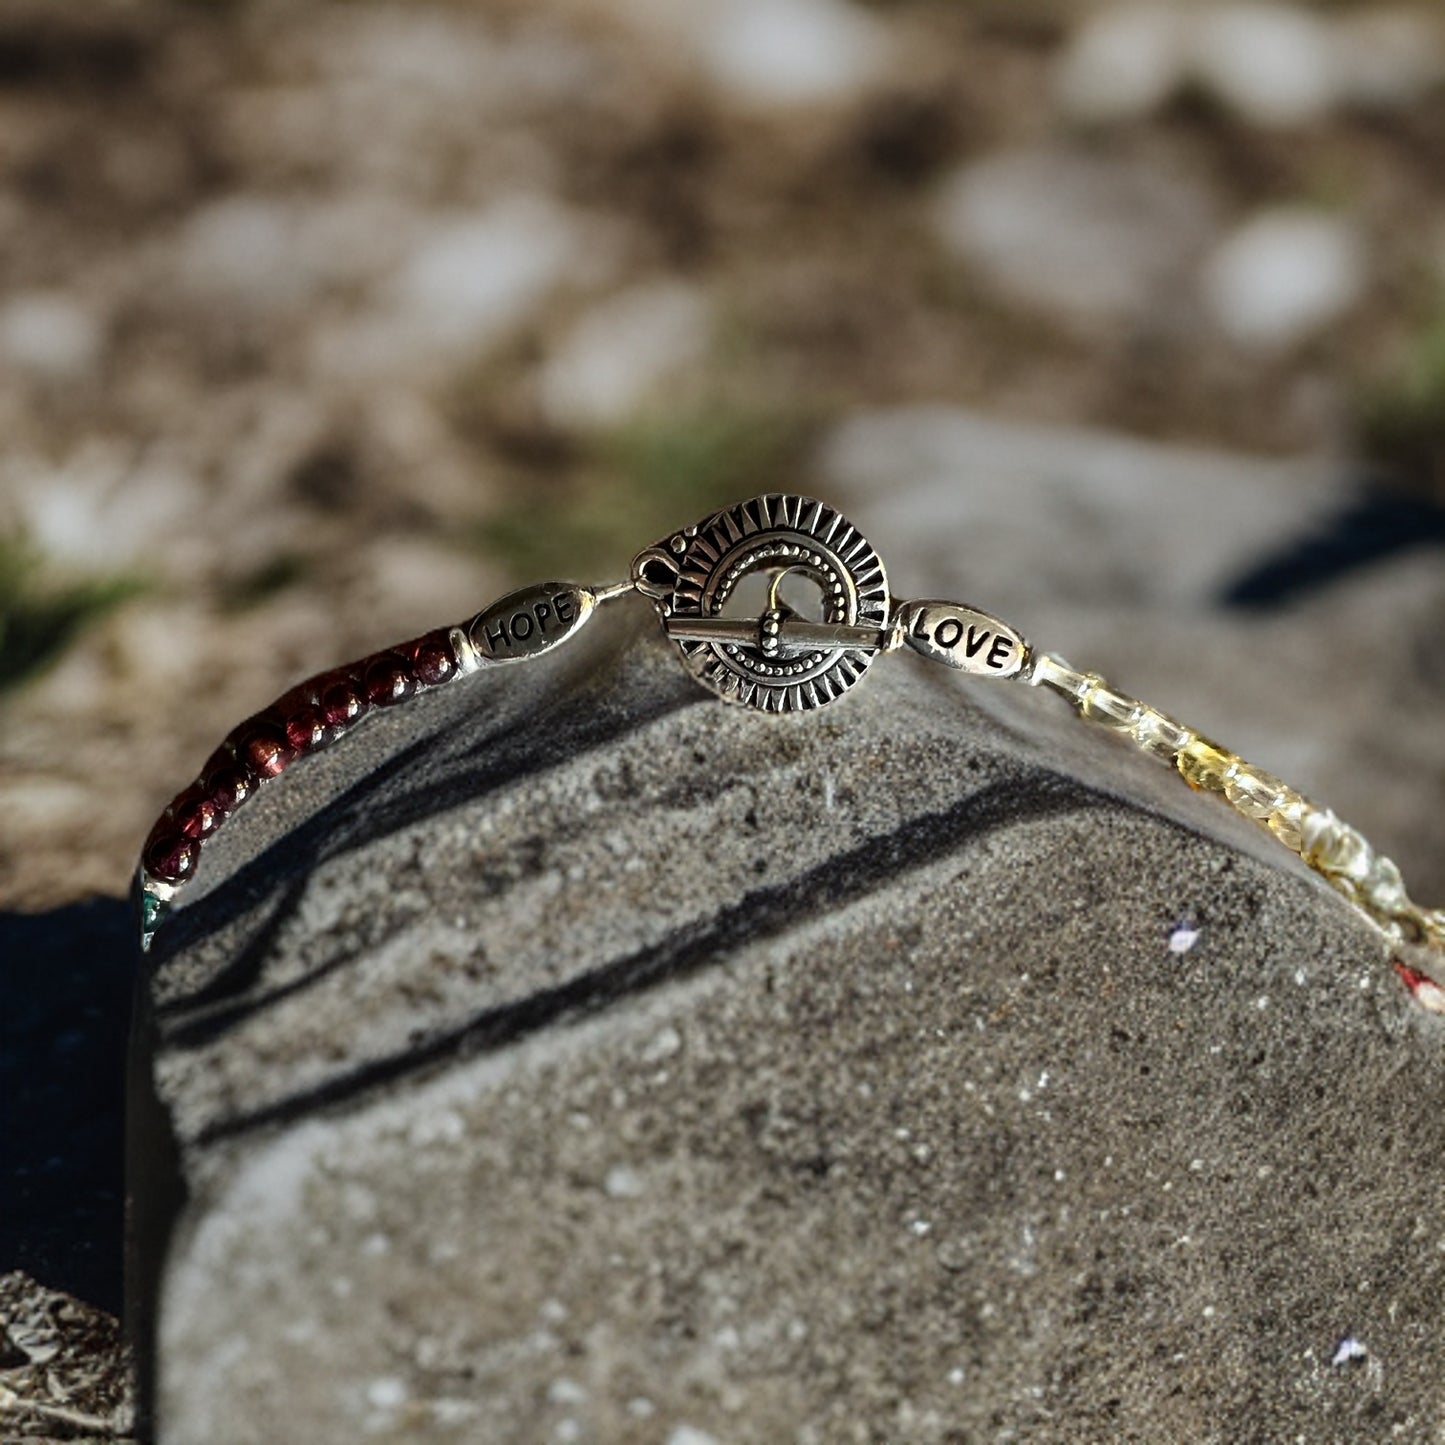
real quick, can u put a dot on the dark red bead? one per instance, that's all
(266, 750)
(341, 703)
(433, 661)
(228, 786)
(389, 680)
(195, 813)
(171, 856)
(305, 728)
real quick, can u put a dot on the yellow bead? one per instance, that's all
(1205, 765)
(1102, 704)
(1335, 847)
(1253, 791)
(1287, 819)
(1159, 735)
(1054, 672)
(1383, 888)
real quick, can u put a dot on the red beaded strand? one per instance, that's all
(302, 720)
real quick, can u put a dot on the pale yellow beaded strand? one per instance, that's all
(1336, 851)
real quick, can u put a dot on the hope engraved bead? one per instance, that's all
(530, 621)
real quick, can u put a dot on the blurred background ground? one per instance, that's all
(321, 324)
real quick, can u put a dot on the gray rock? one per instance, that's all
(571, 1057)
(1082, 238)
(1117, 553)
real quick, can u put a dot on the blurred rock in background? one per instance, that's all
(320, 325)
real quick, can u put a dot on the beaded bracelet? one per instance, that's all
(777, 662)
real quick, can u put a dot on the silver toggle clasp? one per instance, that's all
(777, 661)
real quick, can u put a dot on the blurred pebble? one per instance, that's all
(1123, 63)
(619, 352)
(33, 804)
(242, 250)
(102, 511)
(1083, 237)
(1270, 64)
(477, 276)
(791, 52)
(1282, 276)
(49, 335)
(1387, 59)
(465, 284)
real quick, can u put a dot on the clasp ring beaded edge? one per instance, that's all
(776, 662)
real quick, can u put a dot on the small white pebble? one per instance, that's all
(690, 1435)
(1348, 1351)
(955, 1376)
(641, 1408)
(386, 1393)
(920, 1227)
(1182, 938)
(623, 1183)
(452, 1413)
(1059, 1176)
(1209, 1312)
(563, 1391)
(1262, 1002)
(663, 1045)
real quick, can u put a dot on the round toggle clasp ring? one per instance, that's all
(777, 663)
